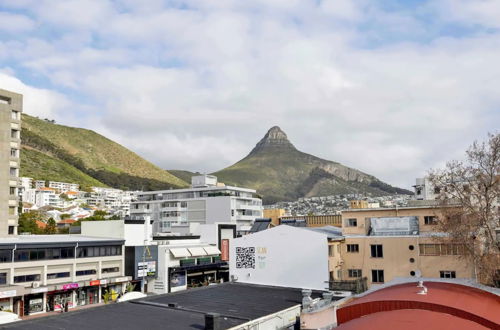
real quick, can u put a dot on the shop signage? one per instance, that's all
(38, 290)
(224, 248)
(70, 286)
(121, 279)
(178, 279)
(147, 268)
(103, 282)
(96, 282)
(6, 294)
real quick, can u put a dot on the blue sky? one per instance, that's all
(195, 84)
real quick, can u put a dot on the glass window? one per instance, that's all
(3, 278)
(377, 276)
(354, 272)
(352, 222)
(5, 255)
(352, 248)
(110, 270)
(53, 276)
(376, 251)
(430, 220)
(447, 274)
(26, 278)
(85, 272)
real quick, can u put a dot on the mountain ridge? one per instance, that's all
(279, 171)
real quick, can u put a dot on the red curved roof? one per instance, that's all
(410, 319)
(459, 300)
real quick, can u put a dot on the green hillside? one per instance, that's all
(87, 158)
(183, 175)
(278, 171)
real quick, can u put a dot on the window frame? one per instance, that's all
(376, 251)
(377, 273)
(352, 248)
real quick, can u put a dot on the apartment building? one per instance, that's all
(63, 187)
(382, 244)
(206, 202)
(40, 273)
(11, 105)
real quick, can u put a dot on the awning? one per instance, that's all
(197, 251)
(211, 250)
(180, 252)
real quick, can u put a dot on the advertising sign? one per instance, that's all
(147, 268)
(96, 282)
(6, 294)
(70, 286)
(224, 248)
(38, 290)
(177, 279)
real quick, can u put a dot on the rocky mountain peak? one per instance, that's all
(274, 137)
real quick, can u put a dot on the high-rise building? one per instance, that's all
(11, 105)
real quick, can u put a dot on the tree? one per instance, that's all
(50, 229)
(27, 222)
(469, 195)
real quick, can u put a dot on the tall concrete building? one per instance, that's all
(11, 105)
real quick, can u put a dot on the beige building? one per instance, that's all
(358, 204)
(274, 215)
(381, 244)
(11, 105)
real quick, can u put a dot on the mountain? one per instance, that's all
(69, 154)
(278, 171)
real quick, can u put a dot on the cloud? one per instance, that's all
(194, 85)
(13, 23)
(39, 102)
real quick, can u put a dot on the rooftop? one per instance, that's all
(48, 239)
(237, 303)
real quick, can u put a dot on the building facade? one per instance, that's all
(184, 210)
(317, 220)
(11, 106)
(382, 244)
(40, 273)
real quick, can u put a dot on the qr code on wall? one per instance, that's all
(245, 257)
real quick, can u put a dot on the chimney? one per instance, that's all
(212, 321)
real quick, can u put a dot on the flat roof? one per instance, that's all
(196, 189)
(237, 303)
(55, 239)
(399, 208)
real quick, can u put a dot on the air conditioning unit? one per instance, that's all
(35, 284)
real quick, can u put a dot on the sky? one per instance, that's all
(392, 88)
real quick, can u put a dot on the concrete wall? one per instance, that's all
(218, 209)
(284, 256)
(8, 101)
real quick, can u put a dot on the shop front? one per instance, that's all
(113, 288)
(56, 300)
(33, 303)
(89, 294)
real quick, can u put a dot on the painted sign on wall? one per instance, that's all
(224, 249)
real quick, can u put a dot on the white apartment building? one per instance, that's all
(39, 184)
(63, 187)
(424, 190)
(206, 202)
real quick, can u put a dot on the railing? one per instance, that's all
(357, 286)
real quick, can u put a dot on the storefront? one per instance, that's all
(33, 303)
(57, 299)
(112, 289)
(87, 296)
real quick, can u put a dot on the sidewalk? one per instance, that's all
(29, 317)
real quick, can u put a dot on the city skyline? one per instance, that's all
(195, 86)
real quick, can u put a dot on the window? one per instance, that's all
(12, 190)
(430, 220)
(352, 248)
(354, 272)
(376, 251)
(331, 250)
(352, 222)
(441, 249)
(412, 273)
(96, 251)
(86, 272)
(53, 276)
(13, 152)
(14, 134)
(15, 115)
(331, 277)
(377, 276)
(11, 232)
(412, 260)
(447, 274)
(26, 278)
(110, 270)
(43, 254)
(411, 247)
(3, 278)
(13, 171)
(339, 274)
(187, 262)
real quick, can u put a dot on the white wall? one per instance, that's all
(218, 209)
(284, 256)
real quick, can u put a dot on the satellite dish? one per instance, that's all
(418, 273)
